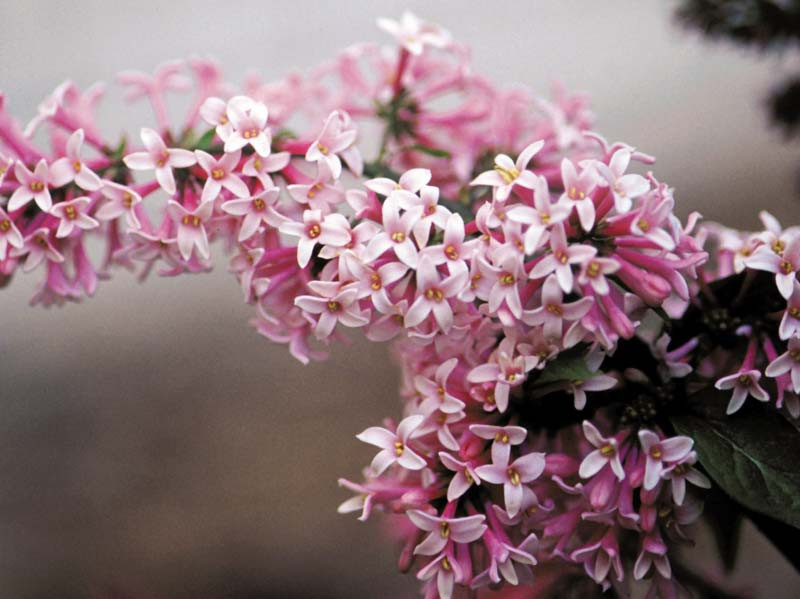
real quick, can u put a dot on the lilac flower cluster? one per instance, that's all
(511, 287)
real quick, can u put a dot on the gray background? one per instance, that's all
(152, 445)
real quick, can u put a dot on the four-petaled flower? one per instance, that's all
(394, 445)
(607, 452)
(161, 158)
(508, 173)
(745, 383)
(73, 216)
(657, 451)
(191, 227)
(442, 530)
(72, 168)
(522, 470)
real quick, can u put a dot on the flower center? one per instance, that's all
(5, 225)
(398, 237)
(127, 200)
(162, 158)
(593, 269)
(778, 246)
(36, 186)
(334, 306)
(509, 175)
(217, 174)
(787, 267)
(192, 221)
(312, 191)
(259, 204)
(434, 294)
(507, 279)
(70, 212)
(643, 225)
(444, 530)
(398, 448)
(513, 476)
(322, 149)
(576, 194)
(76, 166)
(555, 309)
(501, 437)
(608, 450)
(655, 452)
(314, 231)
(250, 133)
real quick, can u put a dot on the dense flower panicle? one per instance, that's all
(511, 287)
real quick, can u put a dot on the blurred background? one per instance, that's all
(152, 445)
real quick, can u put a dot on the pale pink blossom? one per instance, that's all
(396, 235)
(333, 229)
(744, 383)
(554, 311)
(785, 265)
(255, 210)
(578, 190)
(465, 476)
(72, 167)
(121, 200)
(191, 228)
(221, 174)
(32, 186)
(502, 437)
(413, 34)
(624, 187)
(73, 215)
(434, 393)
(433, 295)
(539, 217)
(658, 451)
(394, 445)
(161, 158)
(508, 173)
(336, 139)
(681, 472)
(39, 248)
(789, 361)
(249, 126)
(9, 235)
(443, 530)
(335, 304)
(524, 469)
(607, 452)
(261, 167)
(561, 257)
(790, 323)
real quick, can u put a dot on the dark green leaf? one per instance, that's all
(204, 143)
(435, 152)
(752, 455)
(566, 368)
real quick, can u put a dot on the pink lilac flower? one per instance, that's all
(249, 126)
(394, 445)
(39, 248)
(554, 311)
(578, 190)
(255, 210)
(784, 265)
(121, 200)
(607, 453)
(790, 323)
(658, 451)
(624, 187)
(334, 304)
(73, 215)
(221, 175)
(191, 228)
(214, 111)
(410, 181)
(161, 158)
(396, 235)
(524, 469)
(507, 173)
(446, 570)
(653, 553)
(465, 476)
(743, 383)
(433, 295)
(505, 370)
(454, 249)
(333, 229)
(789, 362)
(32, 186)
(598, 382)
(443, 530)
(337, 139)
(434, 393)
(319, 194)
(561, 258)
(72, 168)
(502, 437)
(539, 217)
(680, 472)
(261, 167)
(9, 235)
(413, 34)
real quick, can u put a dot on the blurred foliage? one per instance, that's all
(768, 25)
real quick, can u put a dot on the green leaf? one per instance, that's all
(752, 455)
(566, 368)
(204, 143)
(435, 152)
